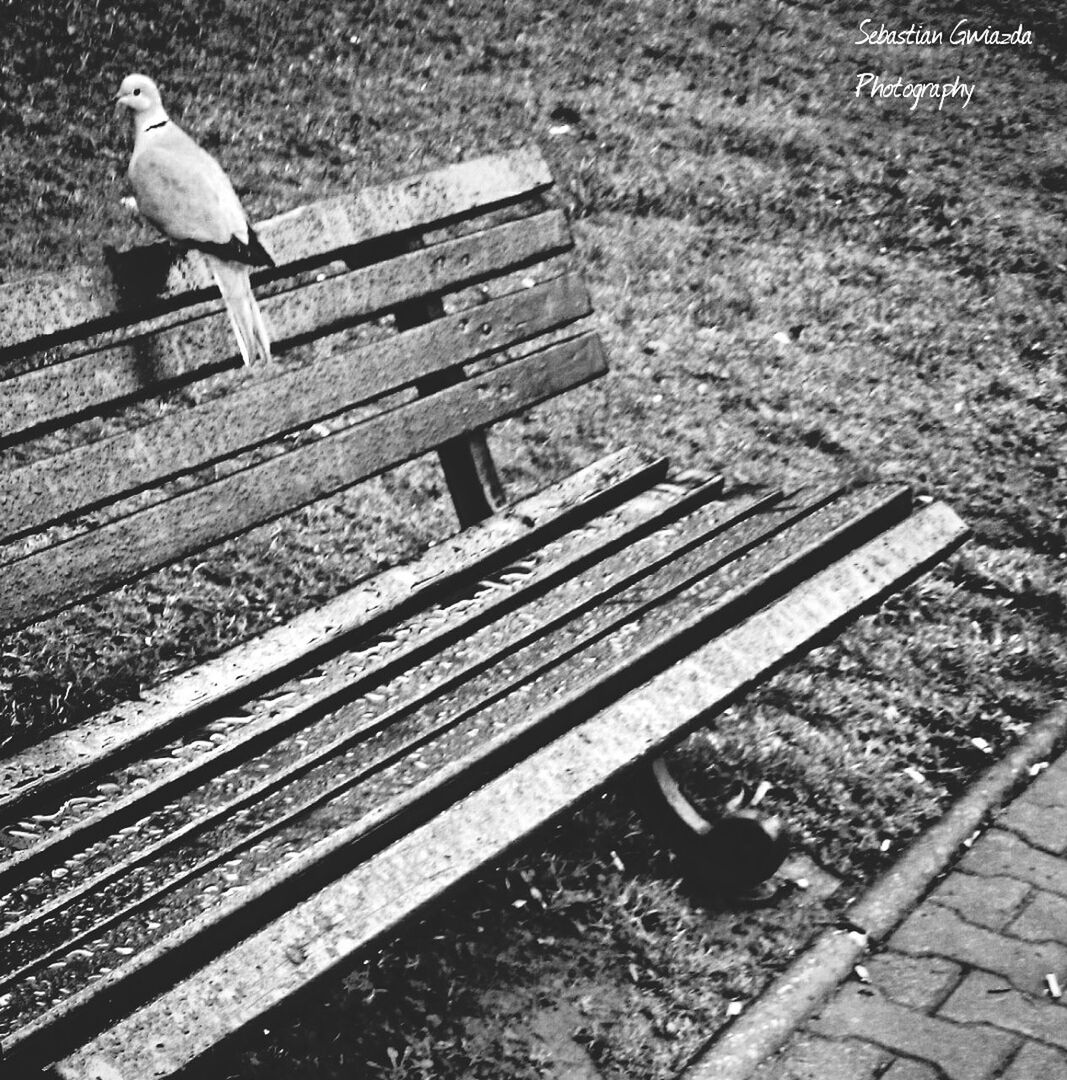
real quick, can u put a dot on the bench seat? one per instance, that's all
(423, 741)
(174, 868)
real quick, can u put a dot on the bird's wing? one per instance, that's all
(182, 190)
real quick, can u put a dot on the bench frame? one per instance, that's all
(146, 304)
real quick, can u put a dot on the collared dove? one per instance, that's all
(181, 189)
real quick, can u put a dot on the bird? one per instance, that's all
(743, 846)
(184, 192)
(732, 854)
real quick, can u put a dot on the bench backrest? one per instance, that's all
(131, 436)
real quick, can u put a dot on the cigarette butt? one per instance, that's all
(1053, 984)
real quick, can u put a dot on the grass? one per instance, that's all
(791, 282)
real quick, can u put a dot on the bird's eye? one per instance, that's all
(137, 91)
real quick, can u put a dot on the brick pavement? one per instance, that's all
(958, 991)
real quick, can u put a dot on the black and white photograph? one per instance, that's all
(533, 540)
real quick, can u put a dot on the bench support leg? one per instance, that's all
(470, 472)
(472, 479)
(731, 855)
(469, 469)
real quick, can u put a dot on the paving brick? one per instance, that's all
(809, 1057)
(988, 901)
(1044, 827)
(1035, 1062)
(910, 1069)
(971, 1052)
(933, 930)
(1044, 918)
(1050, 788)
(921, 982)
(1004, 853)
(983, 998)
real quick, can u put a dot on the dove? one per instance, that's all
(184, 192)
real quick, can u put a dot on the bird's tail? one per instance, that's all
(245, 316)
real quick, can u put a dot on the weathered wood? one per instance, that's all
(49, 304)
(90, 905)
(341, 678)
(732, 854)
(47, 490)
(474, 484)
(231, 678)
(57, 577)
(472, 478)
(470, 472)
(225, 801)
(569, 661)
(145, 365)
(323, 934)
(429, 200)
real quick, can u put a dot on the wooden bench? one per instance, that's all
(175, 867)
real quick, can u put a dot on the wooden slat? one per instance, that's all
(57, 577)
(45, 491)
(50, 304)
(551, 566)
(93, 897)
(418, 202)
(556, 671)
(144, 365)
(323, 934)
(232, 677)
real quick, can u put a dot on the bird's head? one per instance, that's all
(139, 93)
